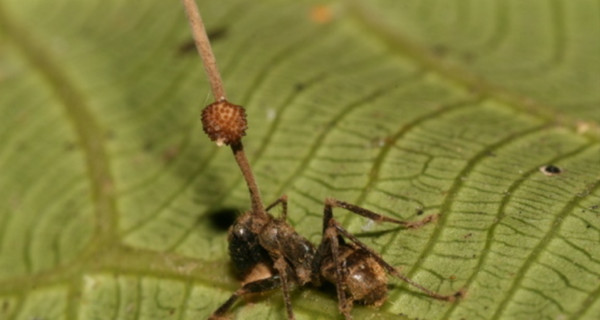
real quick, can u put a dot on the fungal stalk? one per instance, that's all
(224, 122)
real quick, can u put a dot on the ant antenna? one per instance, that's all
(224, 122)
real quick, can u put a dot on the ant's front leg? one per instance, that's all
(257, 286)
(281, 266)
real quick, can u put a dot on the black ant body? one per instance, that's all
(267, 251)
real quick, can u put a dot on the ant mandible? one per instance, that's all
(267, 251)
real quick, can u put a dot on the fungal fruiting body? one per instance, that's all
(224, 122)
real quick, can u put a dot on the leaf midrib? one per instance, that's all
(90, 137)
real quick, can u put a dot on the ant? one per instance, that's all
(266, 251)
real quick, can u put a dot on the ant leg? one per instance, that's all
(257, 286)
(376, 216)
(331, 223)
(281, 266)
(331, 241)
(283, 201)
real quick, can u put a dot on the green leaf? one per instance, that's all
(112, 200)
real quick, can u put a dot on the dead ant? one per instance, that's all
(266, 251)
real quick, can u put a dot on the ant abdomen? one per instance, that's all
(365, 280)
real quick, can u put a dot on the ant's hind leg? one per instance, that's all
(257, 286)
(283, 201)
(376, 216)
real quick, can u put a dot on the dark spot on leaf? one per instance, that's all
(214, 35)
(551, 170)
(419, 211)
(187, 47)
(299, 86)
(223, 218)
(588, 226)
(217, 34)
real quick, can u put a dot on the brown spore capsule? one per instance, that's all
(224, 122)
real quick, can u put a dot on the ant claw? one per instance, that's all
(457, 295)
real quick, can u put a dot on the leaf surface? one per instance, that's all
(114, 205)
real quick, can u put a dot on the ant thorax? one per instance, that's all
(281, 239)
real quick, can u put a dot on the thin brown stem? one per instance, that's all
(242, 161)
(210, 65)
(204, 49)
